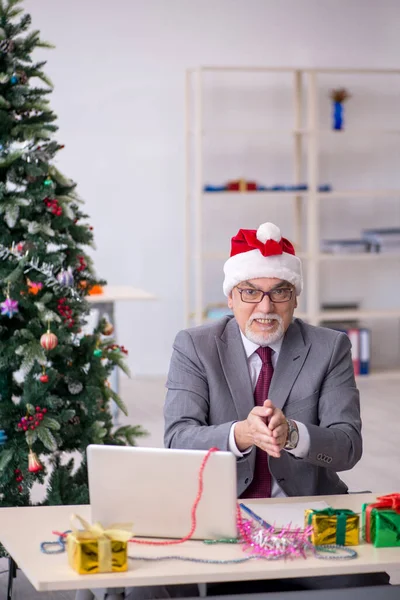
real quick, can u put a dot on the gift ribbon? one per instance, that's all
(120, 532)
(391, 501)
(341, 515)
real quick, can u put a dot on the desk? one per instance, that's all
(114, 293)
(22, 530)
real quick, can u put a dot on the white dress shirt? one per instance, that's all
(254, 363)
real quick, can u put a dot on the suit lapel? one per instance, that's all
(234, 365)
(291, 358)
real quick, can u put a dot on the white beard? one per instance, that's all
(264, 338)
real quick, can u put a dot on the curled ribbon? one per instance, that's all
(120, 532)
(391, 501)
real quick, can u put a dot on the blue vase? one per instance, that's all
(337, 115)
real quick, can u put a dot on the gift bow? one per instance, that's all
(391, 501)
(341, 514)
(120, 532)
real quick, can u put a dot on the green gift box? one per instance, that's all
(381, 524)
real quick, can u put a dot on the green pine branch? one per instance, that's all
(129, 434)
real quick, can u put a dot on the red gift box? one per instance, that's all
(391, 501)
(241, 185)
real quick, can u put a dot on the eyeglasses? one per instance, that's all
(254, 296)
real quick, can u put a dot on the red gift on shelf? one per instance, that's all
(241, 185)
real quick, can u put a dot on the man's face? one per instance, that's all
(267, 321)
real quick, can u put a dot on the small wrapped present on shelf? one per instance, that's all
(97, 550)
(241, 185)
(381, 521)
(333, 526)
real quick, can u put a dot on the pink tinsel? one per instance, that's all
(274, 543)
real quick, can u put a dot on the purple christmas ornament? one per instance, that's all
(66, 277)
(9, 307)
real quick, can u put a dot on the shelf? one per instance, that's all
(306, 135)
(259, 194)
(250, 131)
(383, 375)
(319, 132)
(341, 315)
(366, 256)
(249, 69)
(381, 193)
(350, 132)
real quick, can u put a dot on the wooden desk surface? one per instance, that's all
(22, 530)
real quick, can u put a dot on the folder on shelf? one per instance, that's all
(365, 350)
(354, 337)
(385, 240)
(345, 246)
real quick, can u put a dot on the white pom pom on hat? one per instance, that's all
(268, 231)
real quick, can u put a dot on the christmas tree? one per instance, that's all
(54, 390)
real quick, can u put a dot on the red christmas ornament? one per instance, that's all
(34, 421)
(108, 329)
(48, 341)
(44, 378)
(34, 464)
(82, 264)
(66, 312)
(54, 206)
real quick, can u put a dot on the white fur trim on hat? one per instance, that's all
(252, 265)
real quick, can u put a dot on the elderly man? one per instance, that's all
(278, 393)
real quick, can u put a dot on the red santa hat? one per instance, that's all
(262, 253)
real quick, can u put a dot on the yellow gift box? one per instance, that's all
(333, 526)
(97, 550)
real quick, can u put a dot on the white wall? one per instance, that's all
(119, 70)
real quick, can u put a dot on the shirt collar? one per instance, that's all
(250, 347)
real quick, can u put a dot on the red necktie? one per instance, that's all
(260, 487)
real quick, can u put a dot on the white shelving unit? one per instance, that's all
(306, 206)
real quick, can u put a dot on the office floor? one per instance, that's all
(378, 470)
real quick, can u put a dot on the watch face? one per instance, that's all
(294, 437)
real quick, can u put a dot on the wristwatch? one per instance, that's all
(293, 435)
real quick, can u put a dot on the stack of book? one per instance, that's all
(383, 240)
(372, 240)
(345, 246)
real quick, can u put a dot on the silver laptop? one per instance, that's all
(155, 488)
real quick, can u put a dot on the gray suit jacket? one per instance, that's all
(209, 388)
